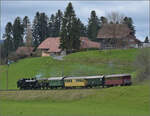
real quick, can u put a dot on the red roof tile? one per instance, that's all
(51, 43)
(86, 43)
(113, 31)
(24, 50)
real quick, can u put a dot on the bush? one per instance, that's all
(13, 57)
(142, 64)
(36, 53)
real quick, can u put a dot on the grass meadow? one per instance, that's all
(116, 101)
(77, 64)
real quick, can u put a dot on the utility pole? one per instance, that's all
(7, 74)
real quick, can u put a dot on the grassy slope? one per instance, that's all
(82, 63)
(116, 101)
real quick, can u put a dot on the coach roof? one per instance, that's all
(84, 77)
(117, 75)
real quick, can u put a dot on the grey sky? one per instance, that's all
(138, 10)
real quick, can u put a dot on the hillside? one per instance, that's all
(81, 63)
(116, 101)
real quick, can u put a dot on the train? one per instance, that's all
(74, 82)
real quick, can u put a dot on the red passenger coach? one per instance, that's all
(118, 79)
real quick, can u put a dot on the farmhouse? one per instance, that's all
(50, 46)
(117, 36)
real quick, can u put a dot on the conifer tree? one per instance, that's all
(93, 26)
(83, 29)
(70, 31)
(55, 24)
(18, 32)
(36, 30)
(40, 28)
(128, 21)
(8, 36)
(103, 20)
(52, 26)
(146, 40)
(43, 32)
(26, 22)
(58, 22)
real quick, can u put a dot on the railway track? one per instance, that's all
(50, 89)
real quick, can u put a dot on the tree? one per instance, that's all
(115, 18)
(70, 32)
(43, 32)
(29, 36)
(40, 28)
(8, 36)
(55, 24)
(146, 40)
(75, 33)
(51, 26)
(93, 26)
(26, 22)
(128, 21)
(18, 32)
(83, 29)
(103, 20)
(36, 30)
(58, 22)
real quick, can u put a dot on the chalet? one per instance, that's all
(51, 45)
(117, 36)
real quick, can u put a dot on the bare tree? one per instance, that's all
(116, 21)
(29, 36)
(115, 17)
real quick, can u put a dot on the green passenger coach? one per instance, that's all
(56, 82)
(93, 81)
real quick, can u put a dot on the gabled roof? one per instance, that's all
(51, 43)
(86, 43)
(113, 31)
(25, 50)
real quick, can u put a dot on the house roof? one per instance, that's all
(25, 50)
(134, 38)
(113, 31)
(86, 43)
(51, 43)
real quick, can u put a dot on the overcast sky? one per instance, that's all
(138, 10)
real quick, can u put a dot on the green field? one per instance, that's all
(116, 101)
(76, 64)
